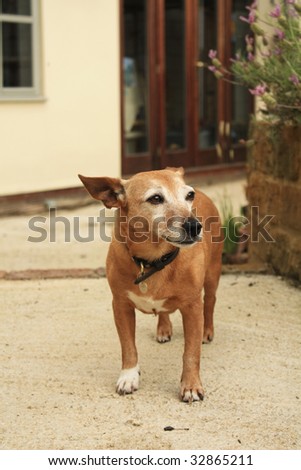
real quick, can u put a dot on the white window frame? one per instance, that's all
(24, 93)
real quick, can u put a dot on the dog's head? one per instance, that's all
(157, 203)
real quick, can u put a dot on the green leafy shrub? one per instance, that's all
(271, 64)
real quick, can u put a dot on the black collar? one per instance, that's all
(155, 265)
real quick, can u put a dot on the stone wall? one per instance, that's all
(274, 185)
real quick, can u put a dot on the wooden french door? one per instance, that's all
(173, 112)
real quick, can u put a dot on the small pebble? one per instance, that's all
(170, 428)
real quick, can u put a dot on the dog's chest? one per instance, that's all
(147, 304)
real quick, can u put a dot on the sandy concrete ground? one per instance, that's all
(60, 361)
(60, 357)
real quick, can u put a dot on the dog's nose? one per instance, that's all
(192, 227)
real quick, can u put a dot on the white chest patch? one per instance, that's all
(147, 304)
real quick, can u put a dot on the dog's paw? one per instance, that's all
(164, 332)
(128, 381)
(208, 335)
(192, 393)
(163, 338)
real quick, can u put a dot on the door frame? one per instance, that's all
(183, 156)
(143, 161)
(158, 155)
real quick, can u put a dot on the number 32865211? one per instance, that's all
(223, 460)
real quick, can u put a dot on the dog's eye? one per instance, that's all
(190, 196)
(156, 199)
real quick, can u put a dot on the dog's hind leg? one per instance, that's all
(164, 328)
(210, 287)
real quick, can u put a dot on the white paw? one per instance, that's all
(128, 380)
(192, 395)
(192, 391)
(163, 339)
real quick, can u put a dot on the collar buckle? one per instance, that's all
(156, 265)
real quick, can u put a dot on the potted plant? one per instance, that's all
(271, 69)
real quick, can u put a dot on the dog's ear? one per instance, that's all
(180, 171)
(108, 190)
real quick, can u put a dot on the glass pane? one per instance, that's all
(175, 85)
(16, 7)
(17, 55)
(208, 83)
(135, 70)
(241, 98)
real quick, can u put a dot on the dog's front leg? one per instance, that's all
(191, 386)
(125, 321)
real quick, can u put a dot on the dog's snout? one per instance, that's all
(192, 227)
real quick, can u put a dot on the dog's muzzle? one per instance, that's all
(192, 228)
(188, 233)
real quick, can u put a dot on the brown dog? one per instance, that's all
(159, 260)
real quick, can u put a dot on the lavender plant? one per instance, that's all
(271, 64)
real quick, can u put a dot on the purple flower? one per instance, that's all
(259, 90)
(253, 6)
(279, 33)
(212, 54)
(251, 57)
(294, 79)
(277, 51)
(237, 58)
(266, 54)
(292, 12)
(212, 68)
(276, 12)
(251, 18)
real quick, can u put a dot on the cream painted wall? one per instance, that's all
(44, 145)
